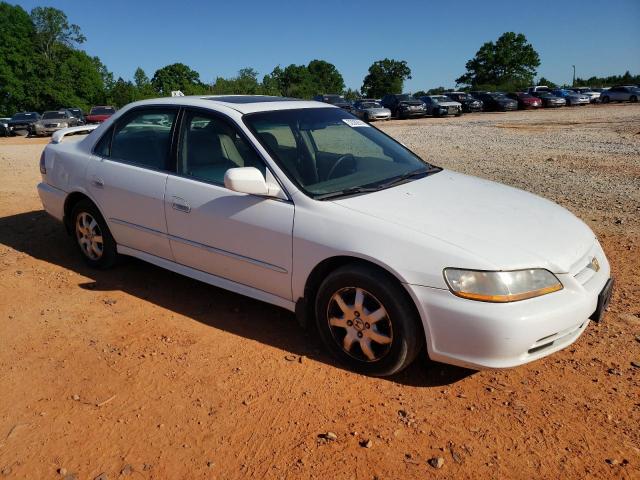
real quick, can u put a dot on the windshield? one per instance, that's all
(405, 97)
(497, 95)
(326, 150)
(370, 105)
(440, 98)
(24, 116)
(50, 115)
(102, 111)
(335, 99)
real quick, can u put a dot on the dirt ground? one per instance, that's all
(138, 372)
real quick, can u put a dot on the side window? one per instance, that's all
(103, 147)
(209, 146)
(144, 138)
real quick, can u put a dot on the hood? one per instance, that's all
(411, 102)
(504, 227)
(377, 110)
(505, 100)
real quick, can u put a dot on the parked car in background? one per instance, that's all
(403, 105)
(370, 110)
(99, 114)
(335, 99)
(572, 98)
(20, 123)
(52, 121)
(441, 105)
(77, 112)
(549, 100)
(4, 126)
(386, 255)
(594, 97)
(496, 101)
(622, 93)
(538, 88)
(525, 100)
(469, 104)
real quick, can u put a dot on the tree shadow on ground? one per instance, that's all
(42, 237)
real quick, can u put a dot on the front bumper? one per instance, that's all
(483, 335)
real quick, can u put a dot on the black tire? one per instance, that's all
(401, 326)
(605, 99)
(633, 99)
(109, 252)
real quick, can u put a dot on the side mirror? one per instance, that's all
(246, 180)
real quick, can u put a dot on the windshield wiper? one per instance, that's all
(422, 172)
(346, 192)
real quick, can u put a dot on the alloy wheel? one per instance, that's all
(89, 236)
(360, 324)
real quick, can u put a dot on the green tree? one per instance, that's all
(509, 63)
(352, 95)
(548, 83)
(245, 83)
(143, 86)
(177, 76)
(326, 77)
(123, 92)
(625, 79)
(385, 76)
(54, 31)
(17, 70)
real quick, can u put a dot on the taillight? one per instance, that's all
(43, 167)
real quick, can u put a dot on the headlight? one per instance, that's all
(501, 286)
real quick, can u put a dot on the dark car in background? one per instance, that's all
(20, 123)
(469, 104)
(403, 105)
(99, 114)
(525, 100)
(4, 126)
(335, 99)
(549, 100)
(77, 112)
(496, 101)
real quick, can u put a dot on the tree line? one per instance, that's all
(42, 67)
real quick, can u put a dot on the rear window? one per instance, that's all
(103, 111)
(50, 115)
(24, 116)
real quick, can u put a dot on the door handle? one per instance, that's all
(180, 204)
(97, 182)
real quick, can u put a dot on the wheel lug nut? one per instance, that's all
(349, 322)
(359, 334)
(366, 325)
(357, 314)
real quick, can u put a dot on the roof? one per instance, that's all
(240, 103)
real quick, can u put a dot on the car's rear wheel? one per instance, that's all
(93, 238)
(367, 320)
(605, 99)
(633, 99)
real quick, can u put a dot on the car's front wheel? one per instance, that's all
(633, 99)
(605, 99)
(92, 236)
(367, 321)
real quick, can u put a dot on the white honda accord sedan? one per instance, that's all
(301, 205)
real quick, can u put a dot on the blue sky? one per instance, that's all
(435, 38)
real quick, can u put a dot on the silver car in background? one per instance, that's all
(621, 93)
(594, 97)
(370, 110)
(53, 121)
(572, 98)
(441, 105)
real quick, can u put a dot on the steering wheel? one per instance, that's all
(333, 169)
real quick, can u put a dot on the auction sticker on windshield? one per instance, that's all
(354, 122)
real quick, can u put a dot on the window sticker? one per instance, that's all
(352, 122)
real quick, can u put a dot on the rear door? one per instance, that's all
(243, 238)
(127, 178)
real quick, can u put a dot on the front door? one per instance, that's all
(243, 238)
